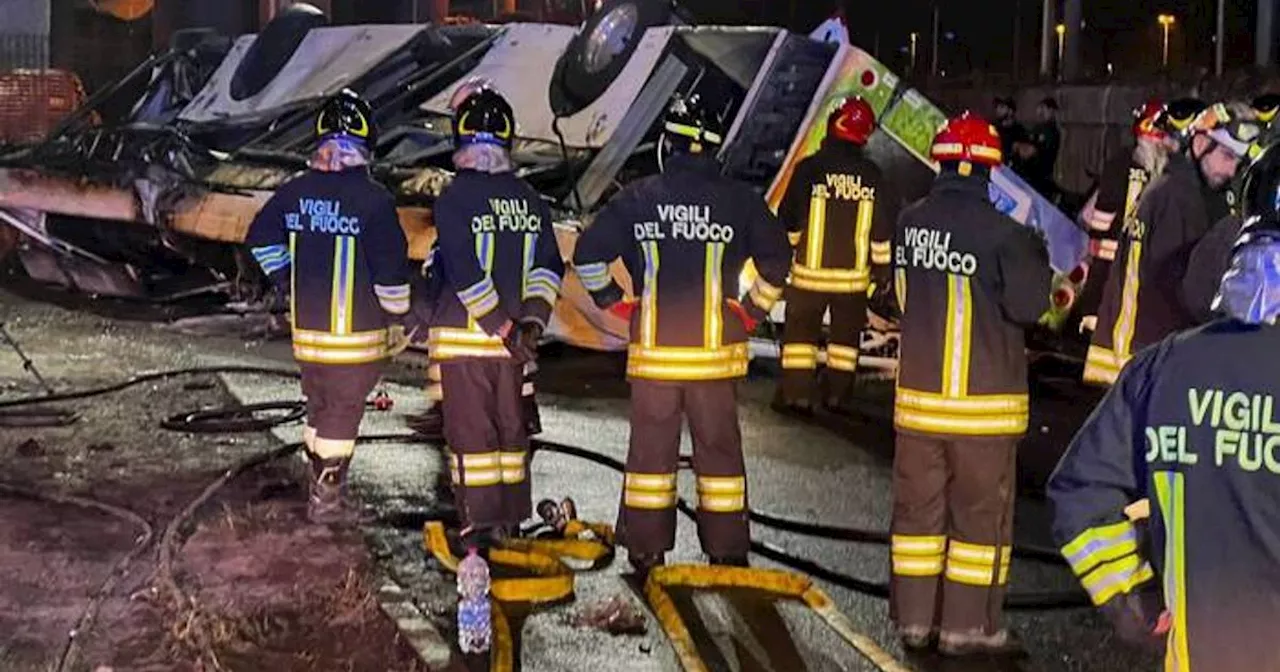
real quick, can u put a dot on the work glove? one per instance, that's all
(743, 316)
(623, 309)
(516, 345)
(1139, 617)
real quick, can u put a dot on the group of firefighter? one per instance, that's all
(966, 284)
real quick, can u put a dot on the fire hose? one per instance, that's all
(536, 552)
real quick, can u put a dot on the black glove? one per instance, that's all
(530, 334)
(1134, 616)
(517, 346)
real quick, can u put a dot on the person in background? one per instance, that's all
(1038, 155)
(1011, 131)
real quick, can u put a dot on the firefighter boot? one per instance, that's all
(917, 637)
(532, 418)
(643, 563)
(327, 501)
(978, 643)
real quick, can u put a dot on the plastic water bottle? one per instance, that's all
(475, 629)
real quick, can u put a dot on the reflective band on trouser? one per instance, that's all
(678, 363)
(722, 494)
(1101, 366)
(322, 347)
(764, 295)
(830, 280)
(915, 555)
(649, 491)
(977, 415)
(881, 253)
(328, 449)
(799, 356)
(447, 343)
(512, 463)
(1171, 496)
(478, 470)
(842, 357)
(975, 564)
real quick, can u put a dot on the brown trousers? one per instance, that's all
(488, 445)
(952, 531)
(336, 395)
(647, 521)
(803, 334)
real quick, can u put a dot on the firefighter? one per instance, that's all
(1123, 178)
(332, 239)
(500, 270)
(1189, 423)
(684, 236)
(432, 421)
(840, 213)
(1143, 301)
(969, 281)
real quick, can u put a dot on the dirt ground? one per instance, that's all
(248, 585)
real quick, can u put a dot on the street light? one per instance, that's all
(1061, 30)
(1165, 20)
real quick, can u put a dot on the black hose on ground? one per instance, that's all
(236, 419)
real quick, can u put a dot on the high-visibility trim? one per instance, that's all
(541, 283)
(862, 233)
(1126, 323)
(272, 258)
(293, 282)
(1116, 578)
(512, 466)
(649, 491)
(1098, 545)
(476, 470)
(817, 232)
(447, 343)
(830, 280)
(881, 252)
(799, 356)
(1107, 250)
(595, 277)
(1101, 221)
(793, 237)
(682, 363)
(764, 294)
(918, 555)
(393, 298)
(480, 299)
(1101, 366)
(842, 357)
(330, 449)
(713, 304)
(900, 287)
(959, 331)
(1171, 496)
(977, 415)
(322, 347)
(1138, 179)
(722, 494)
(342, 299)
(649, 297)
(976, 564)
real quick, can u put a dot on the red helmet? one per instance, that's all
(968, 137)
(853, 121)
(1144, 120)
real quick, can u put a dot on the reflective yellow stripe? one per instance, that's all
(980, 415)
(530, 249)
(486, 302)
(342, 301)
(862, 233)
(955, 354)
(1097, 545)
(478, 470)
(830, 280)
(722, 494)
(328, 449)
(881, 253)
(799, 356)
(1101, 221)
(649, 491)
(909, 566)
(1137, 182)
(680, 363)
(974, 574)
(649, 298)
(908, 544)
(918, 555)
(1122, 335)
(713, 305)
(293, 281)
(447, 343)
(1171, 495)
(393, 298)
(817, 227)
(842, 357)
(511, 465)
(764, 294)
(322, 347)
(900, 287)
(1101, 366)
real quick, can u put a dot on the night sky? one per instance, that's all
(1124, 34)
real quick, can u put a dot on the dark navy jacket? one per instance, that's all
(335, 239)
(1193, 424)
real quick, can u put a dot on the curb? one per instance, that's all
(427, 642)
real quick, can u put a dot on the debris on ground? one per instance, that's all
(616, 615)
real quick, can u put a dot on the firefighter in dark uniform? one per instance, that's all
(840, 212)
(1143, 301)
(684, 236)
(333, 239)
(1123, 179)
(1190, 424)
(969, 281)
(500, 270)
